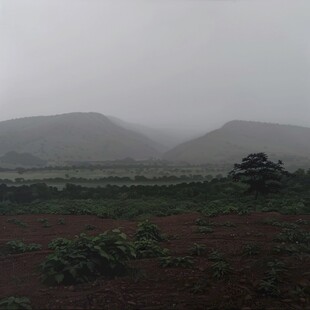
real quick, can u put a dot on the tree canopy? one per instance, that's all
(259, 173)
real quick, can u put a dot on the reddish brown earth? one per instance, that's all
(156, 287)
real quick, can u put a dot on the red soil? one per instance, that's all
(159, 288)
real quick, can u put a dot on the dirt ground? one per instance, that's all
(155, 287)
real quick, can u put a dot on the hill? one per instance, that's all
(74, 137)
(237, 139)
(21, 159)
(166, 138)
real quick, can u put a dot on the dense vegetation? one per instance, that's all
(211, 197)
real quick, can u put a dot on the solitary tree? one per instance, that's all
(262, 175)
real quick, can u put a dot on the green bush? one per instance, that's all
(148, 231)
(149, 248)
(220, 269)
(58, 243)
(85, 258)
(169, 261)
(198, 249)
(17, 222)
(15, 303)
(293, 236)
(216, 256)
(61, 221)
(270, 284)
(251, 249)
(17, 246)
(205, 230)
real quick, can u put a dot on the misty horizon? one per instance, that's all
(183, 65)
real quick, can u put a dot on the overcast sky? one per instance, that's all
(172, 63)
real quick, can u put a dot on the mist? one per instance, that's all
(189, 65)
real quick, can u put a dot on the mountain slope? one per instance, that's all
(73, 137)
(237, 139)
(166, 138)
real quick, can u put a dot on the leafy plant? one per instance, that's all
(17, 246)
(216, 256)
(220, 269)
(149, 248)
(87, 257)
(17, 222)
(293, 236)
(58, 243)
(61, 221)
(148, 231)
(169, 261)
(15, 303)
(270, 284)
(205, 230)
(251, 249)
(45, 222)
(90, 227)
(198, 249)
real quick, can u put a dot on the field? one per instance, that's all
(198, 245)
(153, 287)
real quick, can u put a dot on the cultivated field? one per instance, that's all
(251, 261)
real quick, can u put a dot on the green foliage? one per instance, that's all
(216, 256)
(291, 249)
(198, 249)
(17, 246)
(169, 261)
(251, 249)
(15, 303)
(148, 231)
(90, 227)
(260, 174)
(61, 221)
(205, 230)
(149, 248)
(86, 258)
(17, 222)
(270, 284)
(45, 222)
(274, 222)
(201, 222)
(220, 269)
(58, 243)
(293, 236)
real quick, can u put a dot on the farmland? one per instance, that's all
(216, 247)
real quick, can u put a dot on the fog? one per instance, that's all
(191, 65)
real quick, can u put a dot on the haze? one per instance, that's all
(180, 64)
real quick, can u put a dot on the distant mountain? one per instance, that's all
(22, 159)
(237, 139)
(166, 138)
(74, 137)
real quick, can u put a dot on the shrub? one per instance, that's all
(220, 269)
(17, 246)
(90, 227)
(293, 236)
(216, 256)
(270, 284)
(170, 261)
(251, 249)
(61, 221)
(149, 248)
(148, 231)
(86, 258)
(15, 303)
(17, 222)
(205, 230)
(198, 249)
(58, 243)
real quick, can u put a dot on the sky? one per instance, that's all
(183, 64)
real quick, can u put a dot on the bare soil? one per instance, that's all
(155, 287)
